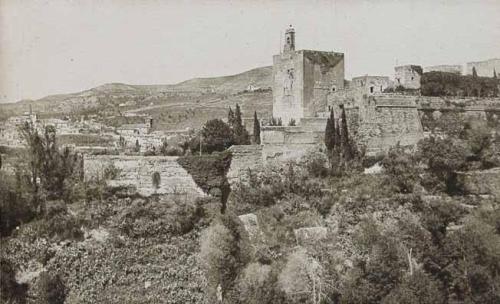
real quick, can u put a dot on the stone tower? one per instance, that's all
(289, 40)
(303, 79)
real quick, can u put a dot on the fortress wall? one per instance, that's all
(388, 119)
(292, 135)
(272, 154)
(437, 112)
(137, 171)
(484, 68)
(244, 158)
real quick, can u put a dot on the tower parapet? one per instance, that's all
(289, 40)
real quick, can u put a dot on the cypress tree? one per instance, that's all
(256, 129)
(494, 73)
(474, 72)
(230, 117)
(330, 133)
(237, 116)
(346, 148)
(240, 133)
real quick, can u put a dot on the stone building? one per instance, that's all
(484, 68)
(302, 80)
(371, 84)
(408, 76)
(455, 69)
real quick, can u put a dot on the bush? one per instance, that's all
(223, 252)
(10, 290)
(51, 289)
(257, 285)
(209, 172)
(14, 208)
(444, 157)
(58, 223)
(401, 169)
(152, 218)
(419, 288)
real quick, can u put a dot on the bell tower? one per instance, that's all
(289, 40)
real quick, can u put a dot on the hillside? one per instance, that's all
(114, 98)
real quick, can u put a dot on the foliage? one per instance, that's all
(451, 84)
(156, 179)
(258, 284)
(240, 134)
(216, 136)
(443, 157)
(58, 223)
(147, 218)
(292, 122)
(256, 129)
(52, 289)
(10, 290)
(222, 254)
(419, 288)
(301, 278)
(275, 122)
(330, 132)
(483, 147)
(267, 188)
(402, 169)
(209, 172)
(15, 208)
(47, 165)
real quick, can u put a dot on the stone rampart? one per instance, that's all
(243, 159)
(137, 171)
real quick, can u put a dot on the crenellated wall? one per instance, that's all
(137, 171)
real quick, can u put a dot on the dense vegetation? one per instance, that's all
(325, 231)
(406, 235)
(450, 84)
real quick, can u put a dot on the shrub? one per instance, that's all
(401, 169)
(14, 208)
(222, 255)
(10, 290)
(257, 285)
(419, 288)
(301, 278)
(209, 172)
(51, 289)
(443, 158)
(58, 223)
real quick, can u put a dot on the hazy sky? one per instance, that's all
(56, 46)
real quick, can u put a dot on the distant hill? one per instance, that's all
(113, 99)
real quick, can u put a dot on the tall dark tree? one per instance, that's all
(256, 129)
(344, 137)
(474, 72)
(330, 132)
(241, 136)
(494, 73)
(230, 117)
(237, 116)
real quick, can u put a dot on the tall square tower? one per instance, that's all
(303, 79)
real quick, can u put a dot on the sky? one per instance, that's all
(62, 46)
